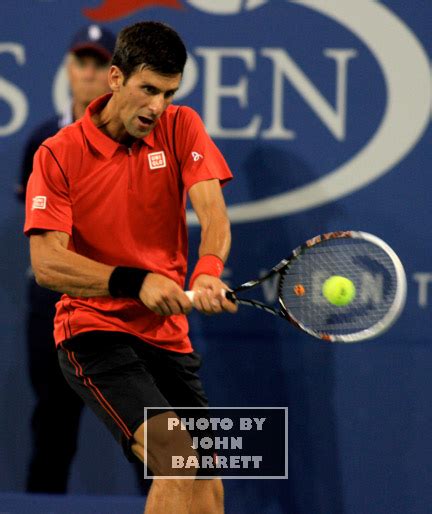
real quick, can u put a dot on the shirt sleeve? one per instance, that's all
(48, 205)
(199, 157)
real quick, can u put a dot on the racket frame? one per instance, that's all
(375, 330)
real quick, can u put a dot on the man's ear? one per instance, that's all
(115, 78)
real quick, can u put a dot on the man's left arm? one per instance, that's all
(209, 205)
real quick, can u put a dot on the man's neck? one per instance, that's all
(110, 124)
(78, 110)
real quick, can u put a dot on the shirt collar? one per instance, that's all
(103, 143)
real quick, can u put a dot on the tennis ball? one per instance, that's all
(338, 290)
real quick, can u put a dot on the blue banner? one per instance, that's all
(322, 110)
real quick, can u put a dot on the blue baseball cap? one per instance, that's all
(96, 38)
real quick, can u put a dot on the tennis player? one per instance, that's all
(106, 218)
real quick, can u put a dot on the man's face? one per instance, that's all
(143, 98)
(88, 77)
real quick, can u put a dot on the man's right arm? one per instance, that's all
(57, 268)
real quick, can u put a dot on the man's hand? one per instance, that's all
(163, 296)
(209, 295)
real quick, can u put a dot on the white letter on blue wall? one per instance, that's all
(214, 91)
(284, 67)
(11, 94)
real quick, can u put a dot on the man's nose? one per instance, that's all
(89, 72)
(157, 104)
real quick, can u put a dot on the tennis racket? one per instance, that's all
(375, 273)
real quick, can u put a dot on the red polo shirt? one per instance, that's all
(123, 207)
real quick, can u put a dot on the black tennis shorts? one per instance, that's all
(117, 375)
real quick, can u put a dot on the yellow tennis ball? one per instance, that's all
(339, 290)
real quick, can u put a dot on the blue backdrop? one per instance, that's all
(322, 109)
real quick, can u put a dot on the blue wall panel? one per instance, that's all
(322, 110)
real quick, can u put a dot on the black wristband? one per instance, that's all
(126, 282)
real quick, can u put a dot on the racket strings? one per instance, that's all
(367, 265)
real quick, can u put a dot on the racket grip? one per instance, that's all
(190, 295)
(230, 296)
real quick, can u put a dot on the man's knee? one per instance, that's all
(159, 447)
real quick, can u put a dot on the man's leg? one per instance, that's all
(208, 497)
(113, 373)
(166, 496)
(182, 386)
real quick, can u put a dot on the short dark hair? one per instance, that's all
(152, 45)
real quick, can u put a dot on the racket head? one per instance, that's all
(370, 263)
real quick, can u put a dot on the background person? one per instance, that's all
(57, 411)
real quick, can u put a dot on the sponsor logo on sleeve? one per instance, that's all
(39, 202)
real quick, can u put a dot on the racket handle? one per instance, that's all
(190, 295)
(228, 294)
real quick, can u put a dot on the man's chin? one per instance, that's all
(139, 134)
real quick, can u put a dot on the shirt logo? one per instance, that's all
(157, 160)
(196, 156)
(39, 202)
